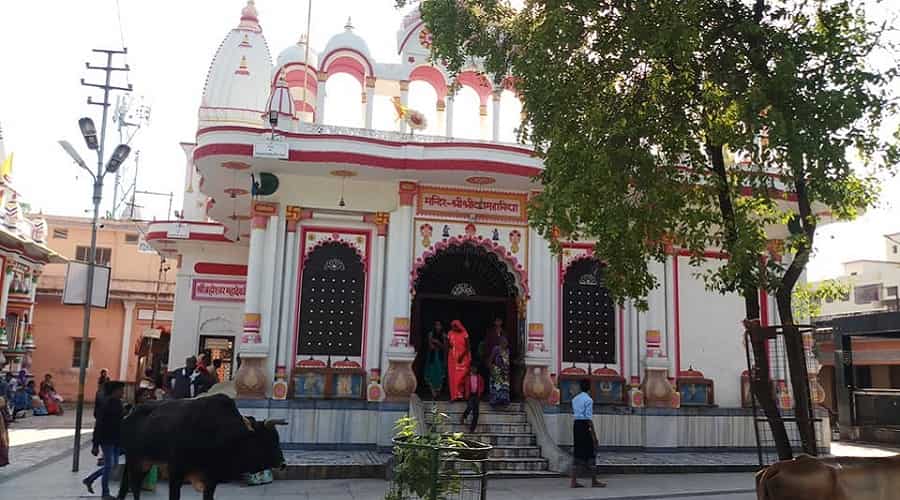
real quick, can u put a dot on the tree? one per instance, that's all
(698, 124)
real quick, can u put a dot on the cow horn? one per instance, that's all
(270, 424)
(247, 424)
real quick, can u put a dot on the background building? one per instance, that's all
(871, 289)
(117, 332)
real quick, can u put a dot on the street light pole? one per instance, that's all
(90, 135)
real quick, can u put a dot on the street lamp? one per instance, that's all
(89, 131)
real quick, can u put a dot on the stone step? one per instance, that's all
(490, 417)
(483, 428)
(499, 439)
(460, 406)
(507, 465)
(515, 452)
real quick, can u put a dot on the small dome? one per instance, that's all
(296, 54)
(348, 40)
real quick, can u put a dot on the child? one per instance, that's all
(474, 387)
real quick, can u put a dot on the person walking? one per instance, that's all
(584, 436)
(107, 437)
(182, 381)
(473, 391)
(436, 362)
(459, 360)
(499, 365)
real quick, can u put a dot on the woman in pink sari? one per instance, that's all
(459, 360)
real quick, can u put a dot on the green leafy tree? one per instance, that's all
(697, 124)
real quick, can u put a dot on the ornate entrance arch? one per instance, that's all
(475, 281)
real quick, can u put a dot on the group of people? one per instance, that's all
(197, 376)
(21, 397)
(450, 356)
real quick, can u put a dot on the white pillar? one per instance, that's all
(126, 338)
(495, 130)
(252, 378)
(320, 98)
(483, 121)
(399, 262)
(4, 296)
(376, 292)
(404, 100)
(289, 296)
(448, 129)
(369, 101)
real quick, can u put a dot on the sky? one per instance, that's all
(171, 43)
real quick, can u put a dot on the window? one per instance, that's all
(589, 320)
(61, 234)
(76, 354)
(131, 238)
(866, 294)
(103, 256)
(332, 309)
(891, 291)
(894, 249)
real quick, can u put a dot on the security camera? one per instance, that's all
(101, 226)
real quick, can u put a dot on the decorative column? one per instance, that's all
(483, 121)
(495, 98)
(448, 129)
(379, 262)
(404, 100)
(320, 98)
(369, 101)
(399, 380)
(126, 338)
(251, 380)
(441, 107)
(4, 294)
(538, 360)
(293, 214)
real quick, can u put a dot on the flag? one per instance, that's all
(6, 170)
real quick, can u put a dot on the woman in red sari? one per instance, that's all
(459, 360)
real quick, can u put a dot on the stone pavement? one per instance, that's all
(38, 441)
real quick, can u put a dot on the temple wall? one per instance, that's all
(194, 317)
(710, 333)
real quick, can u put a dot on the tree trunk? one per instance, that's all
(760, 377)
(761, 380)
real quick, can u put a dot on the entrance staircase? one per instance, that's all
(515, 452)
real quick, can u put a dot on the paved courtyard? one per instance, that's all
(41, 469)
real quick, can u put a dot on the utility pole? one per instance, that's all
(107, 87)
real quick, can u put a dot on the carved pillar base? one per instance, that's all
(658, 392)
(537, 383)
(399, 381)
(251, 381)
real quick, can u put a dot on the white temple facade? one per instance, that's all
(322, 255)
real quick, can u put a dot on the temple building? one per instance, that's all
(325, 253)
(23, 255)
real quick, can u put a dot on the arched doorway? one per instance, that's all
(469, 282)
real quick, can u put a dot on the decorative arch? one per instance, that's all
(431, 76)
(218, 324)
(477, 82)
(514, 274)
(332, 301)
(349, 61)
(588, 313)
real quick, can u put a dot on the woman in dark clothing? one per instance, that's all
(107, 435)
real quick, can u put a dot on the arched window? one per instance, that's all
(589, 323)
(332, 302)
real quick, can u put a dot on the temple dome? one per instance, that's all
(348, 39)
(296, 54)
(239, 78)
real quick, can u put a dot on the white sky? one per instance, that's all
(171, 43)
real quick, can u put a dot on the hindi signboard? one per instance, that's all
(274, 150)
(218, 290)
(485, 205)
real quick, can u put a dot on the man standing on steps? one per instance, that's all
(584, 436)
